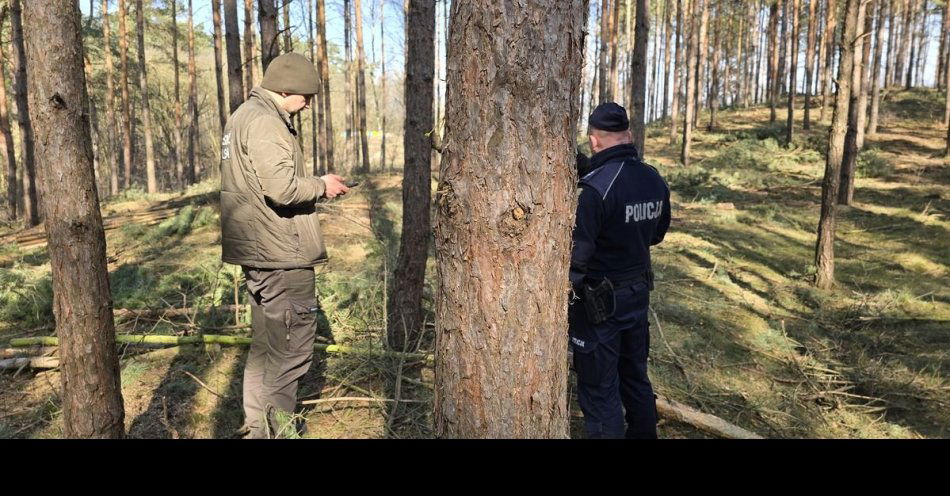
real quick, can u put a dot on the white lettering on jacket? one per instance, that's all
(643, 211)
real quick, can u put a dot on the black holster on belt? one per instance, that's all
(599, 300)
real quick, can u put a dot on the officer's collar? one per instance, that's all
(627, 150)
(270, 102)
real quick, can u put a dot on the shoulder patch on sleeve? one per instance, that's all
(603, 178)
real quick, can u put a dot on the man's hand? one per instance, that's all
(335, 186)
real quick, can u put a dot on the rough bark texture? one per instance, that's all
(691, 56)
(191, 173)
(325, 74)
(126, 104)
(218, 63)
(829, 38)
(824, 248)
(855, 110)
(361, 85)
(809, 61)
(8, 152)
(31, 212)
(794, 8)
(270, 44)
(875, 79)
(82, 304)
(677, 63)
(151, 179)
(232, 42)
(404, 322)
(505, 212)
(638, 73)
(249, 47)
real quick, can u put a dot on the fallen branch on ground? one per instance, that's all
(710, 423)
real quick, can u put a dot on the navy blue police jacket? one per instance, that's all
(623, 209)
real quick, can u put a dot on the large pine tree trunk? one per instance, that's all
(361, 85)
(691, 63)
(126, 104)
(809, 61)
(31, 212)
(7, 144)
(852, 144)
(327, 139)
(270, 44)
(504, 215)
(875, 79)
(218, 63)
(824, 248)
(677, 63)
(638, 72)
(192, 171)
(794, 8)
(82, 302)
(151, 179)
(404, 322)
(249, 47)
(232, 43)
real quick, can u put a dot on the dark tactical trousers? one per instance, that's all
(612, 369)
(283, 306)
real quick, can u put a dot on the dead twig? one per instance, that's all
(202, 384)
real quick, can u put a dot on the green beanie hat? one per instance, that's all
(291, 73)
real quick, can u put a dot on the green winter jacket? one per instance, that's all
(268, 198)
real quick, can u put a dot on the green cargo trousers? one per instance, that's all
(283, 314)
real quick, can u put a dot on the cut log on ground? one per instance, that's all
(703, 421)
(32, 362)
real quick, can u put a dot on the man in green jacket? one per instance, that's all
(269, 226)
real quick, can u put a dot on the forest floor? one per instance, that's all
(738, 329)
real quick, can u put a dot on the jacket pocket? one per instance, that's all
(300, 320)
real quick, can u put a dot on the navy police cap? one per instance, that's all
(609, 117)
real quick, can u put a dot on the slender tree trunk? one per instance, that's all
(126, 105)
(316, 122)
(9, 151)
(773, 59)
(382, 109)
(638, 72)
(232, 43)
(348, 148)
(851, 145)
(795, 7)
(876, 70)
(192, 171)
(824, 248)
(110, 103)
(911, 38)
(151, 180)
(405, 323)
(249, 47)
(941, 52)
(361, 85)
(270, 44)
(655, 90)
(179, 163)
(821, 45)
(218, 63)
(809, 61)
(864, 89)
(831, 13)
(893, 36)
(31, 213)
(691, 62)
(288, 39)
(327, 139)
(923, 43)
(667, 31)
(504, 220)
(701, 56)
(614, 49)
(713, 97)
(906, 32)
(82, 303)
(678, 62)
(603, 91)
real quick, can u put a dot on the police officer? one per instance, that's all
(623, 209)
(269, 226)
